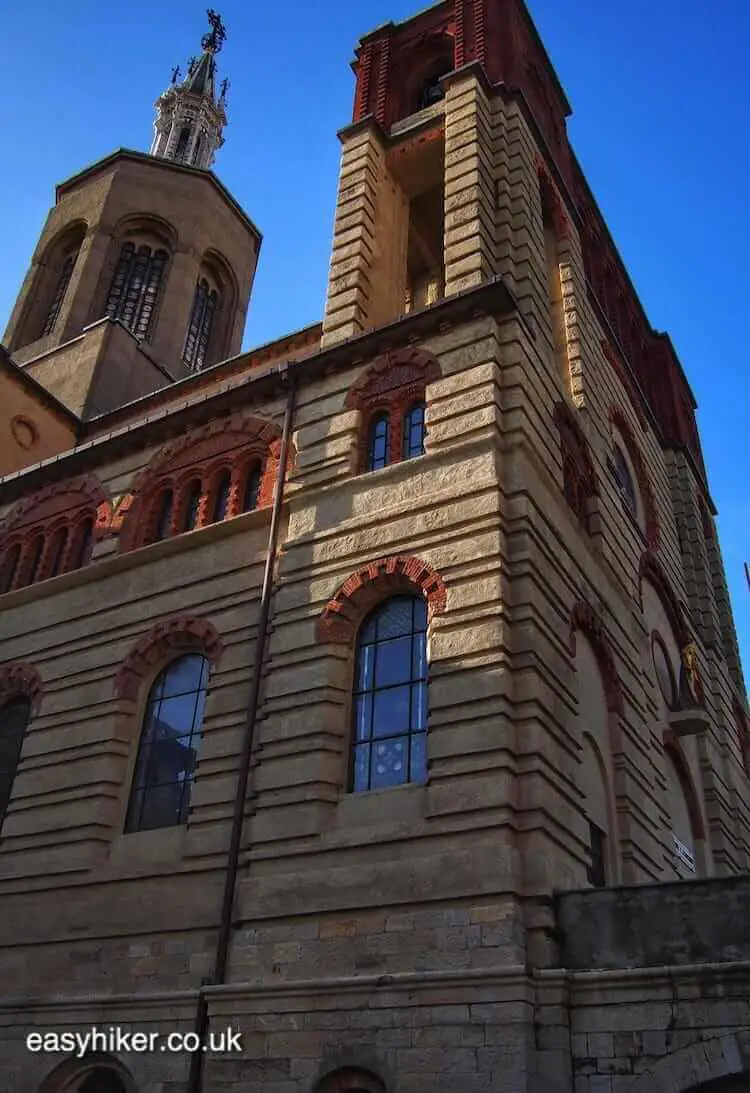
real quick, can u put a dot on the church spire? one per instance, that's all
(190, 119)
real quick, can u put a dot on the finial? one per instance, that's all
(225, 85)
(191, 65)
(175, 74)
(213, 42)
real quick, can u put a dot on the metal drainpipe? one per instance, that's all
(195, 1077)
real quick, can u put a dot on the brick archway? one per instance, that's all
(230, 444)
(171, 637)
(342, 615)
(19, 679)
(583, 617)
(69, 1075)
(651, 517)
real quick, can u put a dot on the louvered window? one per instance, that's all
(201, 325)
(61, 288)
(135, 287)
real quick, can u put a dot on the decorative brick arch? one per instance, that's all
(70, 1073)
(167, 639)
(583, 617)
(623, 374)
(66, 512)
(234, 445)
(621, 423)
(19, 679)
(390, 385)
(342, 615)
(649, 569)
(579, 477)
(692, 1067)
(347, 1078)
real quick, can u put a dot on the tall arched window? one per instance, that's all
(414, 431)
(168, 751)
(135, 287)
(63, 280)
(10, 568)
(183, 140)
(205, 303)
(379, 442)
(57, 551)
(14, 720)
(164, 516)
(389, 738)
(221, 504)
(32, 567)
(252, 488)
(624, 480)
(83, 544)
(192, 505)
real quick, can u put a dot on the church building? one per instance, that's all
(371, 711)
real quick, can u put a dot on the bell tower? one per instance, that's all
(144, 268)
(427, 205)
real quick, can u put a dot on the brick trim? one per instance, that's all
(673, 748)
(391, 384)
(621, 423)
(166, 639)
(20, 679)
(234, 444)
(363, 590)
(583, 617)
(67, 505)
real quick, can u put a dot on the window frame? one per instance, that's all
(353, 741)
(142, 720)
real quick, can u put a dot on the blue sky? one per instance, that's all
(660, 93)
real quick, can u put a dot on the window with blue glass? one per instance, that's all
(414, 431)
(168, 751)
(378, 442)
(389, 735)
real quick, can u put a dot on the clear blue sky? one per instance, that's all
(660, 93)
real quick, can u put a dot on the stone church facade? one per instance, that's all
(374, 693)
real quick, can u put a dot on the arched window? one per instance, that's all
(83, 545)
(414, 431)
(624, 480)
(389, 737)
(663, 670)
(10, 568)
(205, 303)
(192, 505)
(379, 442)
(135, 287)
(57, 551)
(431, 89)
(168, 751)
(32, 568)
(221, 504)
(14, 720)
(164, 516)
(63, 280)
(183, 140)
(252, 488)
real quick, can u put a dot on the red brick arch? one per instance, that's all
(169, 638)
(583, 617)
(234, 444)
(19, 679)
(621, 423)
(390, 385)
(397, 574)
(64, 507)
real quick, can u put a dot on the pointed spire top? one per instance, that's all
(187, 130)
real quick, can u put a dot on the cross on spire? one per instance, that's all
(213, 41)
